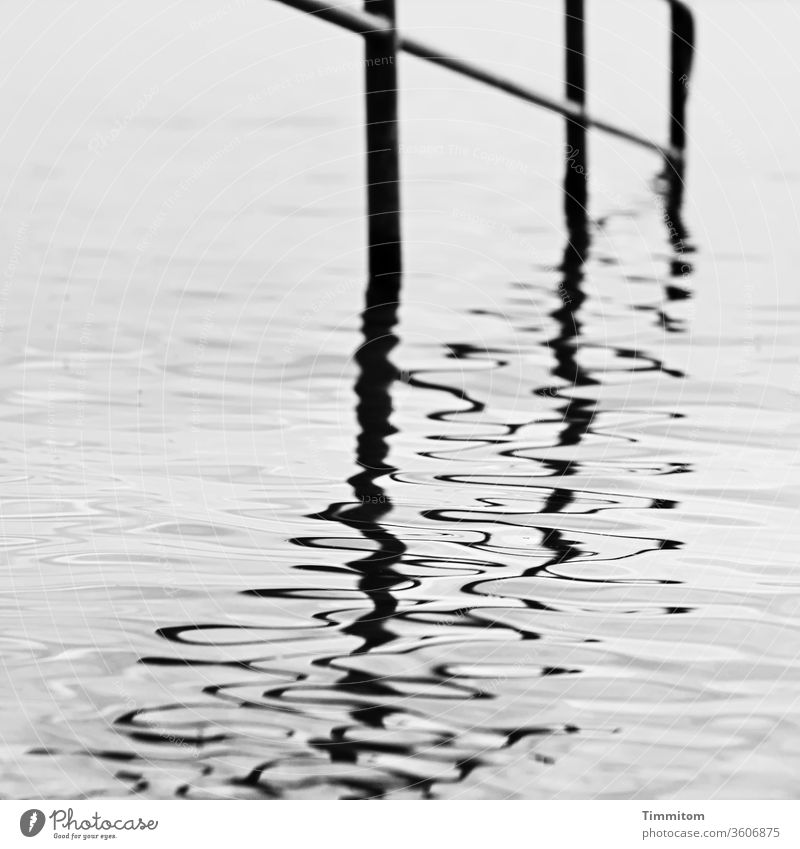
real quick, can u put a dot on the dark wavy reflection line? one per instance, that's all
(366, 697)
(680, 267)
(577, 413)
(376, 374)
(455, 351)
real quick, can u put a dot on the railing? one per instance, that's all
(379, 574)
(377, 24)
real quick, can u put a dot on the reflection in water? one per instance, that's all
(561, 563)
(577, 412)
(556, 558)
(426, 690)
(376, 373)
(472, 643)
(373, 411)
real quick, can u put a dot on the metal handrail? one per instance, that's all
(383, 41)
(366, 23)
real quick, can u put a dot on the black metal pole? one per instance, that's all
(681, 55)
(383, 154)
(575, 177)
(355, 20)
(576, 51)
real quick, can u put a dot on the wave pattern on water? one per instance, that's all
(513, 595)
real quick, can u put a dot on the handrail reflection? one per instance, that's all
(376, 374)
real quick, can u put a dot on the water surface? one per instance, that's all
(531, 535)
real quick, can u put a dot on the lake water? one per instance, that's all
(545, 545)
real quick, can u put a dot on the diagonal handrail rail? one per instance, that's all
(383, 42)
(367, 23)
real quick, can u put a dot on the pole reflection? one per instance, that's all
(376, 374)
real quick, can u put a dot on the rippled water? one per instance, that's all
(534, 534)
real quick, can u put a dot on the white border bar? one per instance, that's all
(405, 825)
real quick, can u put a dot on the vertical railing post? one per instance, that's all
(575, 180)
(681, 54)
(383, 154)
